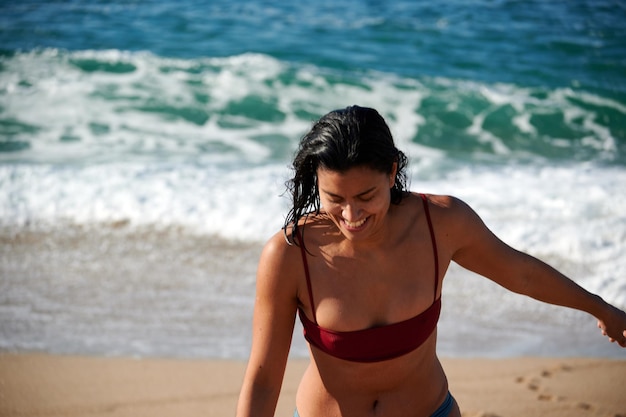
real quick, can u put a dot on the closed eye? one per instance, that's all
(365, 196)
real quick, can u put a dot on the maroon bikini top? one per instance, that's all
(379, 343)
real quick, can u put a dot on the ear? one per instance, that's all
(392, 175)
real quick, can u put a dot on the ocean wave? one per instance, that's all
(64, 106)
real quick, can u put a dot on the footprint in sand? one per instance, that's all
(584, 406)
(531, 383)
(540, 385)
(534, 383)
(550, 397)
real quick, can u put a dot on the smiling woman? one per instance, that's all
(366, 280)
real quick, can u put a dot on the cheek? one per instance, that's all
(331, 208)
(378, 207)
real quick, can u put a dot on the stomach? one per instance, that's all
(410, 385)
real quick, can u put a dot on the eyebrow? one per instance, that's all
(358, 195)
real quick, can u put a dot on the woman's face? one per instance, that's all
(357, 200)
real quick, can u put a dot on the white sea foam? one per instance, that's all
(242, 204)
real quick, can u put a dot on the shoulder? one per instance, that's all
(461, 228)
(451, 217)
(282, 255)
(444, 207)
(278, 271)
(278, 252)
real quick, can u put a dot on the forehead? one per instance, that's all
(354, 180)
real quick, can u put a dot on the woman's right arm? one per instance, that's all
(272, 328)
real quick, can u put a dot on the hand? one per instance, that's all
(614, 326)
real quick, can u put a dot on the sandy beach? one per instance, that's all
(49, 385)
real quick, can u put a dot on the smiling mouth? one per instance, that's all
(354, 225)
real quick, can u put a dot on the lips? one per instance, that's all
(354, 225)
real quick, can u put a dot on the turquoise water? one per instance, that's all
(183, 115)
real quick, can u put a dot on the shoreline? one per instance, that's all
(39, 384)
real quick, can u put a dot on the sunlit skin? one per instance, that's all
(360, 259)
(371, 264)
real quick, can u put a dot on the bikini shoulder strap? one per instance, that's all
(306, 273)
(432, 238)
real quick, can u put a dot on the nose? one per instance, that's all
(351, 212)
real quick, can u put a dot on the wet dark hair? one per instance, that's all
(341, 140)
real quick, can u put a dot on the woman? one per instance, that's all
(362, 260)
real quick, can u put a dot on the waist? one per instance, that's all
(414, 382)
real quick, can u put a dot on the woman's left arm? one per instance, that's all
(476, 248)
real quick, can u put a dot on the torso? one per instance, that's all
(357, 289)
(411, 385)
